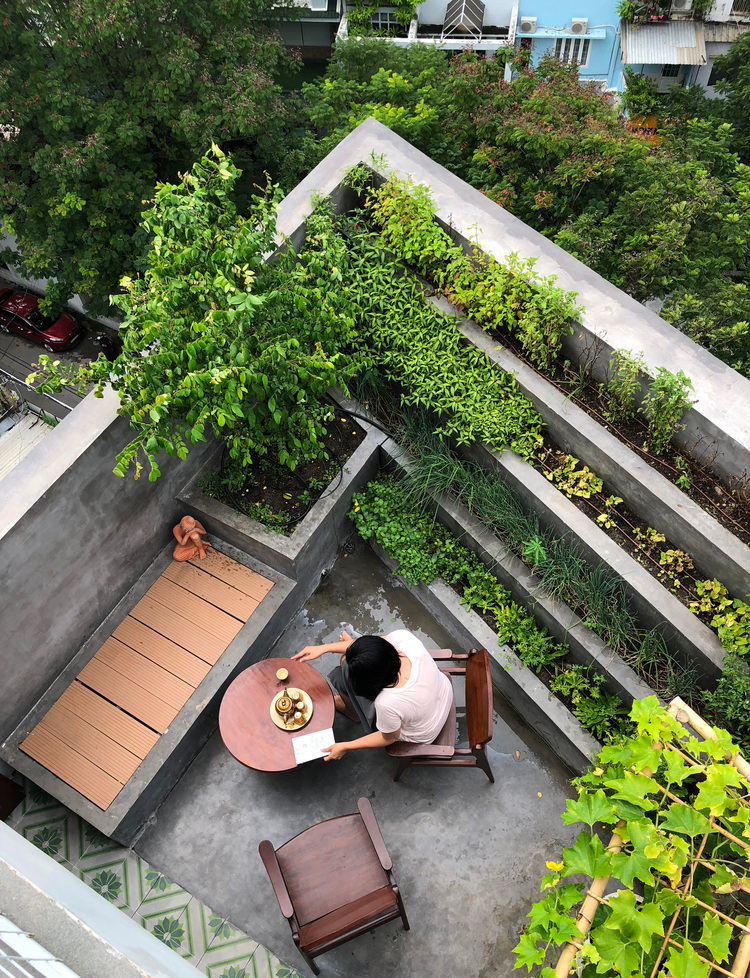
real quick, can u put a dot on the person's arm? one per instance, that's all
(314, 651)
(377, 739)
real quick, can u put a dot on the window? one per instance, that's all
(716, 75)
(569, 49)
(670, 71)
(384, 20)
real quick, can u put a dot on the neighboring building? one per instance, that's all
(315, 31)
(679, 49)
(585, 31)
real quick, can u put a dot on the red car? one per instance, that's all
(19, 313)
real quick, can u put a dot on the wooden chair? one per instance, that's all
(443, 751)
(334, 882)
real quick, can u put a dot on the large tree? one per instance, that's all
(99, 99)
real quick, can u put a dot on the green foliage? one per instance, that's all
(663, 837)
(640, 96)
(666, 401)
(513, 296)
(729, 703)
(218, 336)
(575, 482)
(623, 385)
(733, 625)
(103, 100)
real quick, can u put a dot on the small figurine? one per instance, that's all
(189, 536)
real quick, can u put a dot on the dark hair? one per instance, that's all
(373, 665)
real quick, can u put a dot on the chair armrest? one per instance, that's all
(268, 855)
(403, 748)
(440, 655)
(373, 830)
(454, 671)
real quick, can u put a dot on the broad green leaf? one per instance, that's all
(716, 936)
(686, 963)
(713, 794)
(590, 808)
(618, 955)
(527, 953)
(677, 769)
(634, 788)
(634, 924)
(586, 856)
(723, 879)
(683, 819)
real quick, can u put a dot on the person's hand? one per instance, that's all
(309, 652)
(334, 753)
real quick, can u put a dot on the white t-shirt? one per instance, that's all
(420, 707)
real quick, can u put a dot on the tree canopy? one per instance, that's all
(222, 332)
(102, 98)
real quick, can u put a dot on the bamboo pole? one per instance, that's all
(685, 714)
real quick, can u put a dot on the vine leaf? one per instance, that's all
(527, 952)
(587, 856)
(643, 754)
(623, 958)
(686, 964)
(677, 769)
(713, 793)
(680, 818)
(647, 854)
(723, 880)
(633, 924)
(633, 788)
(590, 808)
(716, 936)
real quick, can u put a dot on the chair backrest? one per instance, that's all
(478, 697)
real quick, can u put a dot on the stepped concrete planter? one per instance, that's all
(653, 604)
(313, 544)
(527, 694)
(586, 648)
(645, 491)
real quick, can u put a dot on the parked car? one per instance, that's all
(19, 313)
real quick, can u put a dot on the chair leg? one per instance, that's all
(311, 964)
(401, 908)
(482, 761)
(402, 766)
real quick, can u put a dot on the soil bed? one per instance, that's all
(279, 498)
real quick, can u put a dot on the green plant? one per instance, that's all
(729, 702)
(682, 833)
(648, 540)
(640, 97)
(666, 401)
(733, 626)
(575, 482)
(212, 485)
(602, 714)
(674, 562)
(605, 519)
(683, 479)
(534, 552)
(576, 683)
(623, 385)
(713, 596)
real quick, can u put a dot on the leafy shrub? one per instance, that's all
(665, 403)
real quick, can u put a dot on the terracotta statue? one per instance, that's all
(189, 536)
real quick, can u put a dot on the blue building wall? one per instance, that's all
(553, 23)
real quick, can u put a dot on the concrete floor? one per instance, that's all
(467, 855)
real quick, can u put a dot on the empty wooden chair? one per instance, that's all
(334, 882)
(443, 750)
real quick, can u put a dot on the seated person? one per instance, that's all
(391, 684)
(189, 536)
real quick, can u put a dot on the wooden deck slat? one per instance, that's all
(229, 571)
(91, 743)
(160, 650)
(194, 609)
(173, 626)
(110, 719)
(71, 767)
(126, 694)
(140, 670)
(195, 580)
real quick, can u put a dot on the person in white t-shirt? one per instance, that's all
(391, 684)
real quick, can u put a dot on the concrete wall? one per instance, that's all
(73, 540)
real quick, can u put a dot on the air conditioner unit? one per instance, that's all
(527, 25)
(580, 25)
(682, 6)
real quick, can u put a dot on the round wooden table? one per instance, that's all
(245, 721)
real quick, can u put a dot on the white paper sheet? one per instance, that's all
(308, 747)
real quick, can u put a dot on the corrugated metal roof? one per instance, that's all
(676, 42)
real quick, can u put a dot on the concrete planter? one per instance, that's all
(645, 491)
(313, 543)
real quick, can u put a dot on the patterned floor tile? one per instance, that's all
(54, 831)
(36, 800)
(231, 963)
(266, 965)
(155, 887)
(93, 843)
(218, 934)
(115, 876)
(169, 921)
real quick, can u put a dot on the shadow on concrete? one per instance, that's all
(468, 855)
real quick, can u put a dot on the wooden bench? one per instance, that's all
(113, 713)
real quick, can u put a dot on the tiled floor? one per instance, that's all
(186, 925)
